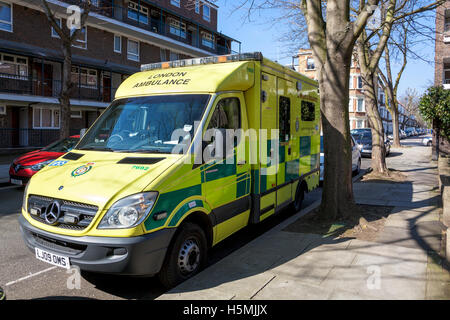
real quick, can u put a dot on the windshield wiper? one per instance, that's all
(145, 151)
(97, 149)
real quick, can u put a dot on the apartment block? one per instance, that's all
(118, 37)
(442, 46)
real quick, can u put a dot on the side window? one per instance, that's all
(227, 115)
(285, 118)
(308, 111)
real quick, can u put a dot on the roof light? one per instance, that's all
(252, 56)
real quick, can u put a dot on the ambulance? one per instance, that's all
(188, 153)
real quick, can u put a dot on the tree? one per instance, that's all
(68, 36)
(435, 108)
(371, 45)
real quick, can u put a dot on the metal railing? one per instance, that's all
(52, 88)
(12, 137)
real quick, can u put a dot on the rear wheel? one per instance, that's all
(186, 255)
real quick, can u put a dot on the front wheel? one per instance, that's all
(358, 167)
(299, 196)
(185, 257)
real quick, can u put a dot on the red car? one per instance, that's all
(23, 168)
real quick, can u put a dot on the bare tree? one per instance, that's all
(68, 37)
(391, 12)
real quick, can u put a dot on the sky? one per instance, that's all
(262, 35)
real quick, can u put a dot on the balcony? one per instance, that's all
(27, 85)
(156, 21)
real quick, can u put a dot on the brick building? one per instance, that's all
(118, 37)
(442, 46)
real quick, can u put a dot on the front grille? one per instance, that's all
(58, 245)
(73, 215)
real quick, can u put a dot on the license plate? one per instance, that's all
(54, 259)
(15, 181)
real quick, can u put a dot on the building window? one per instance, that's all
(95, 3)
(308, 111)
(359, 124)
(76, 114)
(206, 13)
(133, 50)
(173, 56)
(447, 20)
(197, 6)
(54, 33)
(45, 118)
(310, 64)
(360, 85)
(11, 65)
(117, 44)
(81, 39)
(177, 28)
(284, 118)
(208, 40)
(163, 54)
(351, 83)
(175, 3)
(84, 77)
(6, 16)
(2, 109)
(350, 105)
(137, 12)
(360, 105)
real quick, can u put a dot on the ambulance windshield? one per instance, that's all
(146, 124)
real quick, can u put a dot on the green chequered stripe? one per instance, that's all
(167, 202)
(314, 160)
(243, 184)
(182, 211)
(305, 146)
(292, 170)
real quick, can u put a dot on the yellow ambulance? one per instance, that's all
(188, 153)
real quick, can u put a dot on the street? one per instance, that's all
(24, 277)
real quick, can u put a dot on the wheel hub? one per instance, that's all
(189, 257)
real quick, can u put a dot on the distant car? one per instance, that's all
(364, 141)
(25, 166)
(403, 134)
(356, 158)
(427, 141)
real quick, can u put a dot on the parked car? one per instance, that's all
(364, 141)
(25, 166)
(427, 141)
(409, 132)
(403, 134)
(356, 158)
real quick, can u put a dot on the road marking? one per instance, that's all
(30, 276)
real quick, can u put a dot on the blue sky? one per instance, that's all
(262, 35)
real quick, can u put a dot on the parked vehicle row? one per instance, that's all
(363, 138)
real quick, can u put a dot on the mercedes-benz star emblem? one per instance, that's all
(53, 212)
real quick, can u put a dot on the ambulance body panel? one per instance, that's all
(207, 199)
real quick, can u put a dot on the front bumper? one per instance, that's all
(142, 255)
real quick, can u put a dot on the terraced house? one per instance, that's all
(118, 36)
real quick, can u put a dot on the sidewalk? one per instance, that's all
(398, 264)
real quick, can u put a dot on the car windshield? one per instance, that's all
(145, 124)
(64, 145)
(363, 138)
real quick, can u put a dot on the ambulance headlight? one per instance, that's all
(129, 211)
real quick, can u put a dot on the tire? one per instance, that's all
(185, 257)
(299, 197)
(358, 167)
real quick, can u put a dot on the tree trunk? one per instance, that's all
(66, 87)
(435, 141)
(395, 126)
(337, 195)
(370, 85)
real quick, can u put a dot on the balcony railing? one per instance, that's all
(158, 25)
(52, 88)
(10, 138)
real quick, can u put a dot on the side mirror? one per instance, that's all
(82, 132)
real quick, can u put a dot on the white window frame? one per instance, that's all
(52, 30)
(175, 3)
(350, 104)
(81, 41)
(53, 109)
(206, 17)
(133, 54)
(15, 76)
(2, 109)
(313, 63)
(209, 37)
(361, 122)
(139, 10)
(179, 26)
(11, 23)
(76, 114)
(89, 86)
(120, 42)
(363, 107)
(359, 78)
